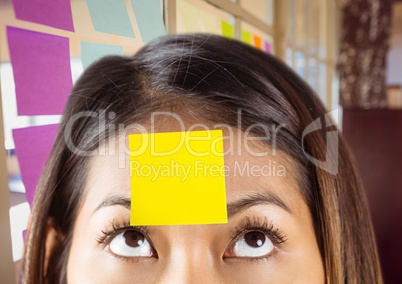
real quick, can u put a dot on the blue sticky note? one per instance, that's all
(110, 16)
(90, 52)
(148, 15)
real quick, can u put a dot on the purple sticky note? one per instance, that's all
(24, 235)
(54, 13)
(267, 47)
(32, 147)
(42, 73)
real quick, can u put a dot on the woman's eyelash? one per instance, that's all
(276, 235)
(116, 228)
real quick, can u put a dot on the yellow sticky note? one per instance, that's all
(227, 30)
(177, 178)
(246, 37)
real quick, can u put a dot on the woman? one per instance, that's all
(302, 222)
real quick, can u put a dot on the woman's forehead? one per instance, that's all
(246, 171)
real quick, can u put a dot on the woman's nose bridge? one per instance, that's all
(194, 245)
(191, 259)
(188, 265)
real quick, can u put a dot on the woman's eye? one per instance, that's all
(131, 243)
(251, 244)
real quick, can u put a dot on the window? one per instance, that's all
(309, 43)
(303, 33)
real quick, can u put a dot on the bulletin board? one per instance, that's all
(48, 44)
(44, 47)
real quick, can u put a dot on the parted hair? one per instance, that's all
(213, 78)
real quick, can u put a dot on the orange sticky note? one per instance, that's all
(257, 42)
(177, 178)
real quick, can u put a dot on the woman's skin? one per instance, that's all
(200, 253)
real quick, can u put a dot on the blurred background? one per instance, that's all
(349, 51)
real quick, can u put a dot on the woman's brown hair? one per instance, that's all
(213, 78)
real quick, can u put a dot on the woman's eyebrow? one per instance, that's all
(113, 200)
(254, 199)
(233, 208)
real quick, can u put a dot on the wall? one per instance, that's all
(375, 138)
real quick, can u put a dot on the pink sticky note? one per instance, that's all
(267, 47)
(54, 13)
(32, 147)
(42, 74)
